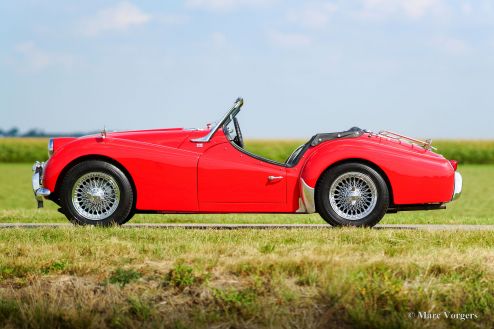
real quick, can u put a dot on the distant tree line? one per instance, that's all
(15, 132)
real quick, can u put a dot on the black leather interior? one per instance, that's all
(299, 152)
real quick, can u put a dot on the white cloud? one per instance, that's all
(226, 5)
(171, 19)
(408, 8)
(289, 39)
(30, 58)
(466, 8)
(118, 18)
(313, 16)
(419, 8)
(452, 46)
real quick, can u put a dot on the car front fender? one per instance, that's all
(165, 177)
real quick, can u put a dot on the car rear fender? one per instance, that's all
(413, 178)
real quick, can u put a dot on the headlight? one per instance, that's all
(50, 147)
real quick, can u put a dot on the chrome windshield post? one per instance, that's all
(228, 116)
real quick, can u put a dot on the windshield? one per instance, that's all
(225, 120)
(230, 130)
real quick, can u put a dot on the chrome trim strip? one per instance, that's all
(458, 186)
(236, 107)
(307, 194)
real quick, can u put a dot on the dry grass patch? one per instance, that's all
(358, 278)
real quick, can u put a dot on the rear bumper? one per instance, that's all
(37, 181)
(458, 186)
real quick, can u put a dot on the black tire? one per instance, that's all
(122, 207)
(342, 174)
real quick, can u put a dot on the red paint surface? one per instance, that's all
(173, 174)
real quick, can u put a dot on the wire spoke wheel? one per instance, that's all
(353, 195)
(95, 195)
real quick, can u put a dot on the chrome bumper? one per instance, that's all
(458, 186)
(37, 180)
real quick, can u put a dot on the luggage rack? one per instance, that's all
(427, 144)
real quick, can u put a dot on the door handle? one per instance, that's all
(274, 178)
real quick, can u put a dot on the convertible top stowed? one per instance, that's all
(319, 138)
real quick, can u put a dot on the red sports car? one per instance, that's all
(352, 177)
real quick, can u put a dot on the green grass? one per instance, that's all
(476, 205)
(23, 149)
(86, 277)
(152, 278)
(14, 150)
(464, 151)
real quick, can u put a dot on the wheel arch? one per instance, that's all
(361, 161)
(55, 196)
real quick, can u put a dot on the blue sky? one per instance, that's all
(421, 67)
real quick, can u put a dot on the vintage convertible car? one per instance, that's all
(352, 177)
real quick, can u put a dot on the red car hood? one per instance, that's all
(172, 137)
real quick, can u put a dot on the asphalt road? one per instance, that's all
(266, 226)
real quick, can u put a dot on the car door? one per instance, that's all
(230, 180)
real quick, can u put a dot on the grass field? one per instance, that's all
(15, 150)
(152, 278)
(476, 205)
(301, 278)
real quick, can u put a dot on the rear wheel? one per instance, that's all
(352, 194)
(96, 193)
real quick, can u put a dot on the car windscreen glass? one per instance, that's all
(230, 131)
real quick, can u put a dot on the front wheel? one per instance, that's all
(352, 194)
(96, 193)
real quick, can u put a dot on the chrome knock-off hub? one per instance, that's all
(353, 195)
(95, 195)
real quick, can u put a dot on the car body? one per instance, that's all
(178, 170)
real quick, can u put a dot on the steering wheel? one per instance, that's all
(239, 140)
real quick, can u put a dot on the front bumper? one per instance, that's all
(458, 186)
(37, 180)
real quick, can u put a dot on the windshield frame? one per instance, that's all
(225, 119)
